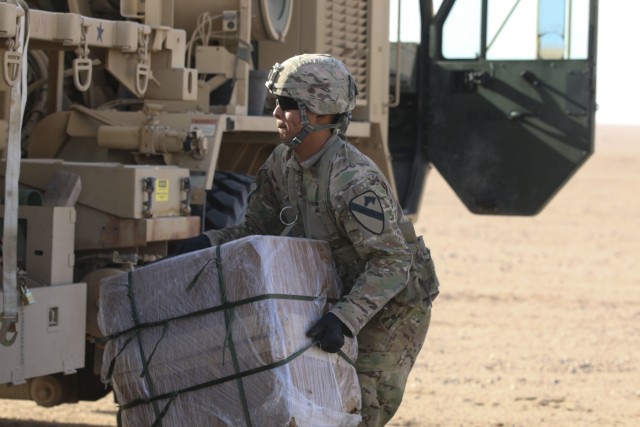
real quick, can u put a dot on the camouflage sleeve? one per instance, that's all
(261, 216)
(368, 215)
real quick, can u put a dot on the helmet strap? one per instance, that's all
(307, 128)
(343, 124)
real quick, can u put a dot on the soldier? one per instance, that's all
(317, 185)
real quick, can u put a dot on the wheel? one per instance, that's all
(227, 200)
(49, 390)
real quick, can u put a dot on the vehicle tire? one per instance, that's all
(50, 390)
(227, 200)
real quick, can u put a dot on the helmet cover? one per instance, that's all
(320, 81)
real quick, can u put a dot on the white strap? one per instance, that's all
(12, 175)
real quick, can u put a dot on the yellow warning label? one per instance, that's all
(162, 190)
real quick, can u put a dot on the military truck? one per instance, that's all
(126, 126)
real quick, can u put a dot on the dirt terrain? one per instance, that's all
(538, 322)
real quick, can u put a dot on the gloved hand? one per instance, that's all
(191, 244)
(329, 331)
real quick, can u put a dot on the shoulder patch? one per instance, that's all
(367, 210)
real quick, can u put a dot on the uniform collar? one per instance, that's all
(333, 139)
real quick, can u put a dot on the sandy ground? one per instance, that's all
(538, 322)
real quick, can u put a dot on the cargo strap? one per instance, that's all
(227, 307)
(238, 375)
(144, 360)
(232, 304)
(18, 100)
(228, 339)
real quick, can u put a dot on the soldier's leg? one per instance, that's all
(387, 349)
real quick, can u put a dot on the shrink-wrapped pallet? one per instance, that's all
(217, 338)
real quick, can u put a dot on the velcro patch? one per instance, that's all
(367, 210)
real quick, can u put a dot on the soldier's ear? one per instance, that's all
(326, 118)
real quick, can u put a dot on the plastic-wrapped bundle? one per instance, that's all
(217, 338)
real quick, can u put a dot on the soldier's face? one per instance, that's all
(289, 121)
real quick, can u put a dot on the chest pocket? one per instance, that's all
(314, 207)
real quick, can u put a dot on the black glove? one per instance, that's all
(191, 244)
(329, 331)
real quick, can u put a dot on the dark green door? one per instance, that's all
(511, 99)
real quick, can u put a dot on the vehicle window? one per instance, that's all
(461, 31)
(563, 31)
(403, 46)
(511, 29)
(513, 32)
(409, 21)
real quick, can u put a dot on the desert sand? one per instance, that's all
(538, 321)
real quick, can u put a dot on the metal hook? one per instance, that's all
(142, 78)
(82, 65)
(11, 67)
(6, 327)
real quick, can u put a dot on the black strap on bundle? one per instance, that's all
(228, 319)
(227, 307)
(214, 309)
(143, 359)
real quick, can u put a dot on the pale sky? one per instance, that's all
(618, 62)
(617, 85)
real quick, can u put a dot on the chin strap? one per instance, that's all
(340, 127)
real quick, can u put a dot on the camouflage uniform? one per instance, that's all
(384, 303)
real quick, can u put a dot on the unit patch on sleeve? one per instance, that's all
(367, 210)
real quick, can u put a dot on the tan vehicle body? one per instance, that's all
(118, 185)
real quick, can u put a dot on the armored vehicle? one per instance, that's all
(128, 125)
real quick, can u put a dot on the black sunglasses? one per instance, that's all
(287, 103)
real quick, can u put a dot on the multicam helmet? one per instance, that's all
(320, 81)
